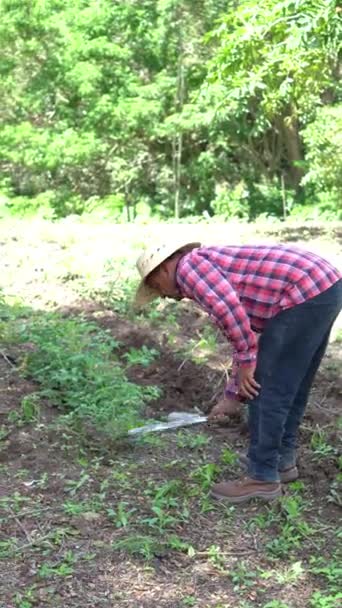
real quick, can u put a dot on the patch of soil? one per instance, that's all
(42, 466)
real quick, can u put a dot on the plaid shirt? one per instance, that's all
(242, 287)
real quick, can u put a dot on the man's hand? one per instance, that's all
(248, 386)
(225, 407)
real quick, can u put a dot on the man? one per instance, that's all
(291, 298)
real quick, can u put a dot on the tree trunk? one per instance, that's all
(294, 150)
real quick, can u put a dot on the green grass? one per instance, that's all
(78, 370)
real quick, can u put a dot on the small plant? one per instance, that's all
(288, 575)
(7, 547)
(242, 576)
(320, 446)
(30, 407)
(26, 598)
(228, 457)
(216, 557)
(121, 515)
(141, 356)
(76, 508)
(144, 546)
(205, 475)
(331, 571)
(186, 439)
(74, 485)
(176, 543)
(189, 600)
(325, 600)
(64, 568)
(161, 520)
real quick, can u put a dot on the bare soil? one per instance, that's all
(42, 463)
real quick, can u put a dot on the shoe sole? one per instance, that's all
(239, 499)
(285, 476)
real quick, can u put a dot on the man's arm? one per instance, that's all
(199, 280)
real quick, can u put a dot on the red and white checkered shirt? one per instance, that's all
(242, 287)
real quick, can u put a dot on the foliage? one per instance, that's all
(323, 140)
(77, 368)
(272, 63)
(165, 108)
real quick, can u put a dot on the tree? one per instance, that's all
(273, 63)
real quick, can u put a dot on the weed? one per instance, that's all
(122, 478)
(161, 520)
(152, 439)
(228, 457)
(76, 365)
(64, 568)
(330, 600)
(121, 515)
(331, 571)
(15, 501)
(216, 557)
(292, 529)
(335, 494)
(206, 504)
(165, 498)
(199, 351)
(7, 547)
(320, 446)
(3, 432)
(168, 489)
(145, 546)
(26, 599)
(205, 475)
(76, 508)
(289, 575)
(73, 485)
(186, 439)
(141, 356)
(30, 407)
(176, 543)
(189, 600)
(242, 576)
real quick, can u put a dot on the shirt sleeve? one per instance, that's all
(199, 280)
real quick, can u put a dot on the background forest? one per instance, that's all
(170, 108)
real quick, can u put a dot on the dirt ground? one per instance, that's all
(61, 492)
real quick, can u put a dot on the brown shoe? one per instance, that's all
(245, 489)
(286, 475)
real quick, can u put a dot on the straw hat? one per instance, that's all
(150, 259)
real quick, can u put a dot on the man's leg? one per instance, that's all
(288, 444)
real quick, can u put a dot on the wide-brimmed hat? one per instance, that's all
(150, 259)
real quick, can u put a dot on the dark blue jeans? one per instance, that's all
(291, 348)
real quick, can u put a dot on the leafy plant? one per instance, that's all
(205, 475)
(141, 545)
(228, 457)
(325, 600)
(141, 356)
(75, 363)
(30, 407)
(121, 515)
(189, 600)
(192, 441)
(63, 568)
(319, 445)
